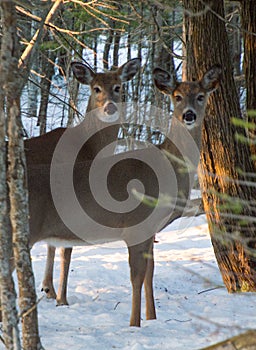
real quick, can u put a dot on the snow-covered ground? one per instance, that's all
(194, 309)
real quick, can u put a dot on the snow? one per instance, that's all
(194, 309)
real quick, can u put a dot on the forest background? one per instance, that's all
(40, 39)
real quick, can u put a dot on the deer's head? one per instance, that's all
(189, 98)
(106, 88)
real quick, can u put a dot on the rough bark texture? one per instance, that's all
(248, 13)
(8, 294)
(20, 228)
(17, 183)
(33, 89)
(227, 196)
(107, 46)
(47, 73)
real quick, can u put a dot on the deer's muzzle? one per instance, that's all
(189, 117)
(110, 108)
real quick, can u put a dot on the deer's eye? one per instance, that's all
(117, 88)
(96, 89)
(178, 98)
(200, 98)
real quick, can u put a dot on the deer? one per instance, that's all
(106, 93)
(64, 210)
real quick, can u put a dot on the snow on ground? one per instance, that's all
(194, 309)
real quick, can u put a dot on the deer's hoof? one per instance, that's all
(61, 302)
(50, 292)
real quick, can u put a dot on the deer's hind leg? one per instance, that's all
(139, 260)
(148, 285)
(47, 284)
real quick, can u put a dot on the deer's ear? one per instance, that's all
(211, 78)
(82, 72)
(164, 81)
(128, 70)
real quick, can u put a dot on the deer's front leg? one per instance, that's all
(138, 260)
(65, 256)
(47, 284)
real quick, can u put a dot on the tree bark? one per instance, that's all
(20, 228)
(8, 294)
(107, 46)
(227, 194)
(117, 39)
(47, 73)
(234, 35)
(248, 13)
(33, 89)
(16, 177)
(73, 88)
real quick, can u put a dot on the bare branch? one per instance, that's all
(25, 57)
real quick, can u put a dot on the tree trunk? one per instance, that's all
(227, 195)
(8, 294)
(107, 46)
(73, 97)
(33, 89)
(47, 73)
(19, 221)
(234, 36)
(17, 183)
(117, 39)
(249, 34)
(73, 88)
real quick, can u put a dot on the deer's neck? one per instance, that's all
(101, 134)
(183, 143)
(182, 147)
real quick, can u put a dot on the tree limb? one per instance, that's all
(25, 59)
(245, 341)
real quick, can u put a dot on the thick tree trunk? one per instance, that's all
(17, 183)
(249, 34)
(19, 221)
(227, 195)
(8, 294)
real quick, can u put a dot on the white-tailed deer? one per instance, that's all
(106, 93)
(67, 211)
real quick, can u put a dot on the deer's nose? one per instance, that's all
(189, 117)
(110, 108)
